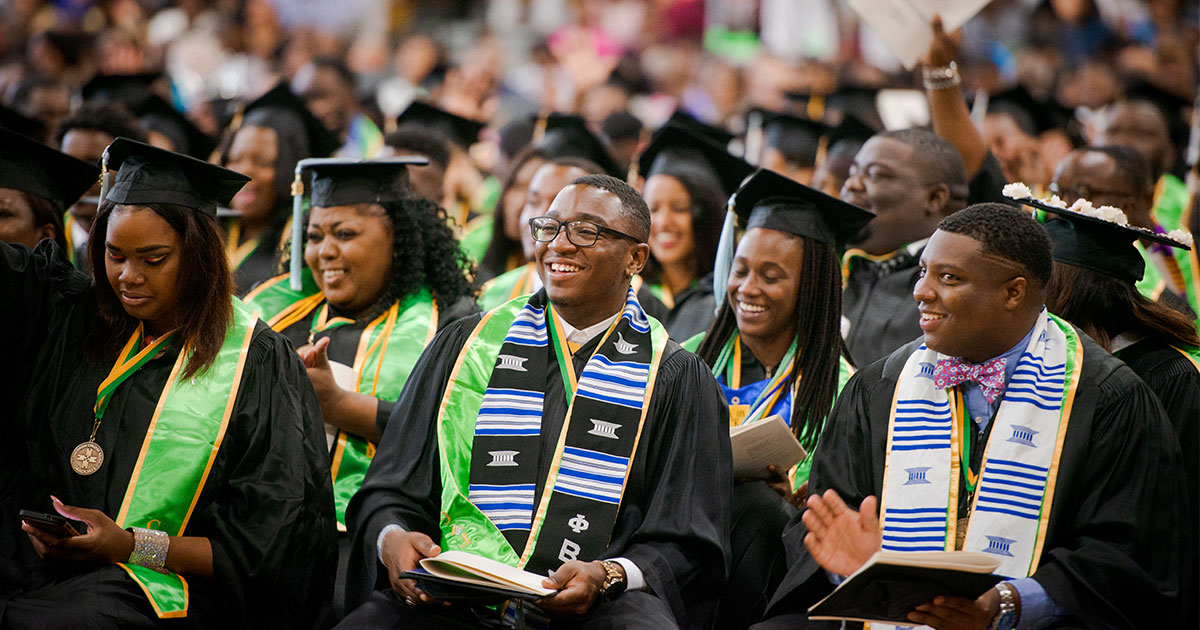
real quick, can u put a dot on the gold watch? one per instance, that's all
(614, 580)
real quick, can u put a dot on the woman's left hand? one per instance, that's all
(780, 483)
(105, 542)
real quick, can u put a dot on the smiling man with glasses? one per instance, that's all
(562, 433)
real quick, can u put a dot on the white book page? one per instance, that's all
(904, 25)
(757, 445)
(498, 573)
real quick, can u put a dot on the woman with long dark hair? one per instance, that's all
(37, 185)
(776, 349)
(276, 131)
(688, 179)
(383, 275)
(159, 415)
(505, 253)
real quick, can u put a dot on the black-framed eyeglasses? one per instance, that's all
(581, 233)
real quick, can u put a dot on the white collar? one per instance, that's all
(575, 335)
(1124, 340)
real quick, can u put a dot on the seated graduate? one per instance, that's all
(505, 253)
(160, 412)
(383, 275)
(1096, 268)
(37, 185)
(1005, 431)
(549, 178)
(625, 513)
(779, 320)
(688, 179)
(276, 132)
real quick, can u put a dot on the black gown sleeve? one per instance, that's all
(403, 484)
(1116, 548)
(675, 528)
(271, 523)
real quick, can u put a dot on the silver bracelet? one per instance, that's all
(149, 548)
(941, 78)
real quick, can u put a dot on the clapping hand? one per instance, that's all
(840, 538)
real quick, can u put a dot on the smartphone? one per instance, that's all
(53, 523)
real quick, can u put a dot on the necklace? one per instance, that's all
(87, 458)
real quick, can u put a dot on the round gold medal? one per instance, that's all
(87, 458)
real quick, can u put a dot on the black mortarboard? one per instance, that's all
(368, 181)
(676, 149)
(123, 88)
(461, 131)
(567, 135)
(1098, 244)
(282, 110)
(14, 120)
(772, 201)
(851, 129)
(683, 119)
(860, 100)
(30, 166)
(1032, 115)
(156, 114)
(798, 139)
(147, 174)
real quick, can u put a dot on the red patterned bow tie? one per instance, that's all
(989, 375)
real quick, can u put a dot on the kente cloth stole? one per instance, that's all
(177, 454)
(490, 435)
(1011, 507)
(388, 348)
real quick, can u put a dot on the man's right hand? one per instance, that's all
(401, 552)
(840, 538)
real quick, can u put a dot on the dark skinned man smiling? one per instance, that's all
(1066, 468)
(624, 513)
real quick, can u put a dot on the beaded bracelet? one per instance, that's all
(941, 78)
(149, 548)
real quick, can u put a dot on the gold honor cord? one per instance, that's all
(87, 458)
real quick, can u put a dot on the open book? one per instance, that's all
(892, 583)
(757, 445)
(461, 576)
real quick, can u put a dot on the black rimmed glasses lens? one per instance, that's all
(580, 233)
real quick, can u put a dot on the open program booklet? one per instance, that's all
(757, 445)
(459, 576)
(892, 583)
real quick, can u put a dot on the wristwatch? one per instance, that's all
(614, 580)
(1007, 617)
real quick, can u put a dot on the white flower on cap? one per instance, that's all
(1111, 214)
(1055, 201)
(1183, 236)
(1017, 190)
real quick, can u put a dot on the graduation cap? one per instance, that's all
(147, 174)
(860, 100)
(30, 166)
(1034, 116)
(774, 202)
(689, 122)
(1097, 243)
(14, 120)
(851, 129)
(370, 181)
(282, 110)
(798, 139)
(461, 131)
(156, 114)
(123, 88)
(567, 135)
(675, 149)
(770, 200)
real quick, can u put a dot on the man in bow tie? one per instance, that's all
(1009, 433)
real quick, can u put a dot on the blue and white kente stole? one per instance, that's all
(574, 516)
(1012, 503)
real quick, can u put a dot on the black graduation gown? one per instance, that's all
(1115, 543)
(1176, 382)
(878, 302)
(261, 264)
(266, 506)
(674, 518)
(694, 309)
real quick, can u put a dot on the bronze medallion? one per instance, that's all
(87, 458)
